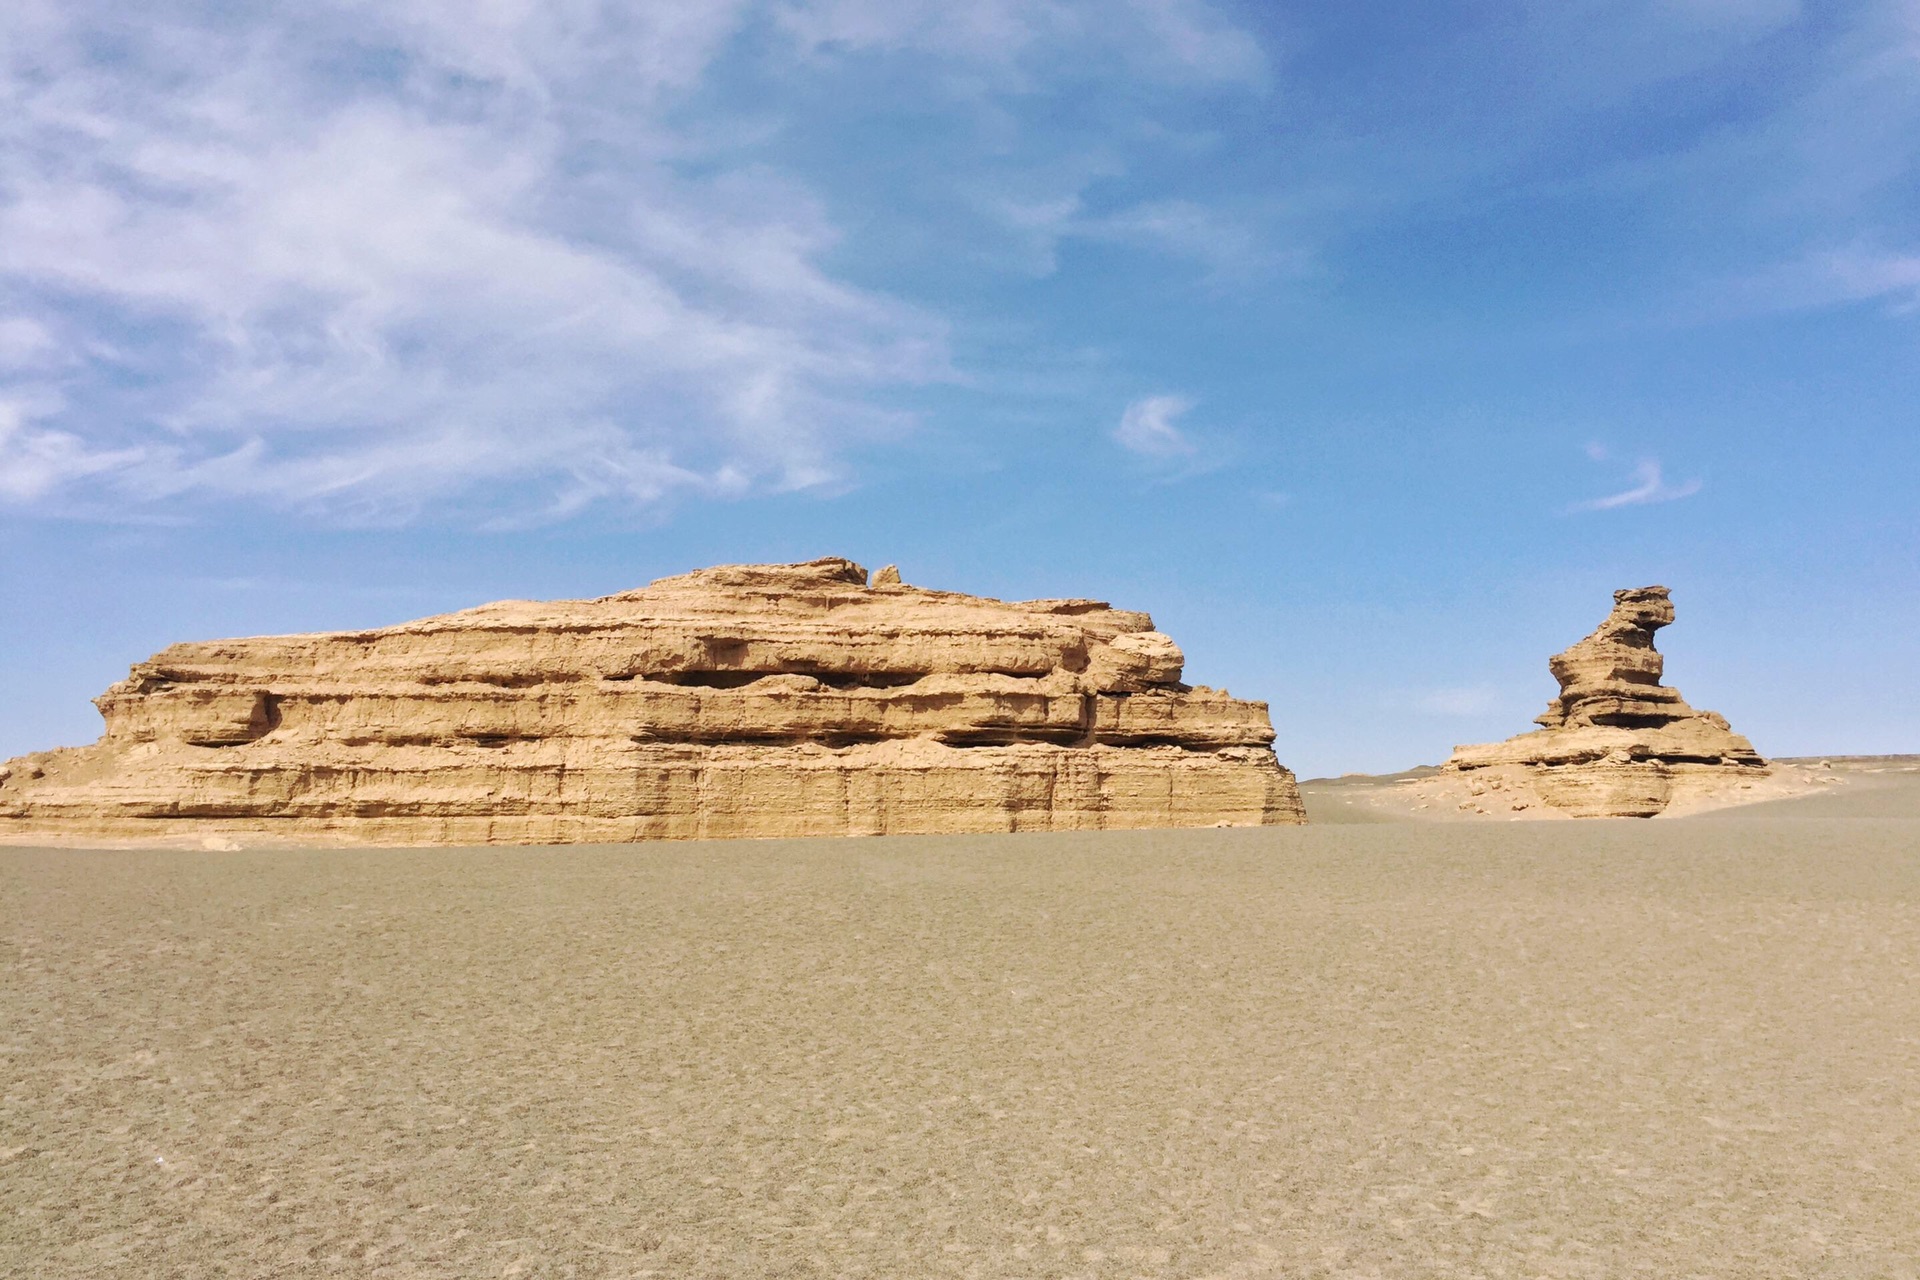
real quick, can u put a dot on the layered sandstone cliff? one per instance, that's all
(747, 700)
(1616, 742)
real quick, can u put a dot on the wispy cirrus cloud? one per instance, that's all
(1809, 190)
(25, 344)
(1230, 248)
(373, 289)
(1177, 40)
(1650, 486)
(1150, 428)
(1857, 273)
(36, 458)
(373, 260)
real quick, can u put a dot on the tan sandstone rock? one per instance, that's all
(746, 700)
(1616, 742)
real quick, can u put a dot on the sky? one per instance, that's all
(1369, 347)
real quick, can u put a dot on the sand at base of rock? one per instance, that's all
(1434, 795)
(1579, 1049)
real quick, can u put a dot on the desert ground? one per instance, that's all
(1367, 1047)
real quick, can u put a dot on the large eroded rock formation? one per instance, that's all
(1616, 742)
(749, 700)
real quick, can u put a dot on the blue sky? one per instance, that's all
(1369, 348)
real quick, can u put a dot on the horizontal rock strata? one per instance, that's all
(1616, 742)
(774, 700)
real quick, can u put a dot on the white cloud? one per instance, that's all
(1042, 211)
(374, 292)
(35, 459)
(1231, 249)
(24, 343)
(1823, 278)
(1148, 428)
(1859, 274)
(1004, 64)
(1650, 486)
(1756, 15)
(1167, 39)
(370, 259)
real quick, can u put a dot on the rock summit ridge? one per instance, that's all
(740, 700)
(1615, 742)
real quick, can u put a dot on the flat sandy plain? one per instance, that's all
(1680, 1048)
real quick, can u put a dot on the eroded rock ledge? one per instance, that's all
(1616, 742)
(745, 700)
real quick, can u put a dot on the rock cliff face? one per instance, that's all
(747, 700)
(1616, 742)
